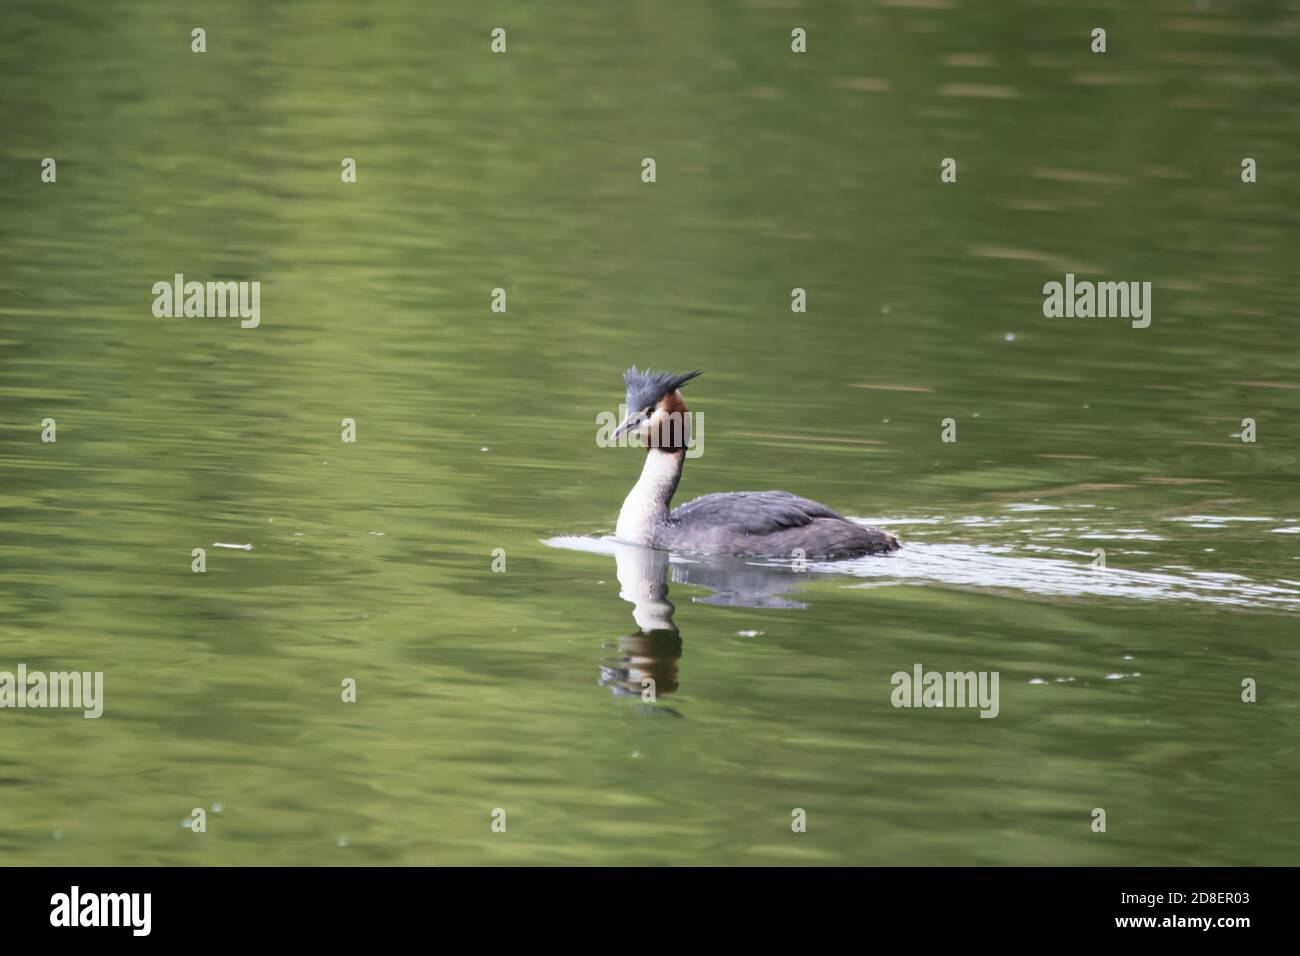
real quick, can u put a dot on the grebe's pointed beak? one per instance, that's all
(629, 425)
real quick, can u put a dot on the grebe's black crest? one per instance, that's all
(646, 386)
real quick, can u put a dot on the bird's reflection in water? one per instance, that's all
(644, 664)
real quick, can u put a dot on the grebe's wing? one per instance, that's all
(751, 512)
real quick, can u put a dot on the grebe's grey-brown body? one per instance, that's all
(741, 523)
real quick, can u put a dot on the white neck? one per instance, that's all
(645, 510)
(643, 580)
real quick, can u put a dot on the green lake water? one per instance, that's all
(476, 430)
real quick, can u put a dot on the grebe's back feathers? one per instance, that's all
(753, 512)
(770, 524)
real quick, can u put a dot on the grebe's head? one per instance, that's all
(654, 406)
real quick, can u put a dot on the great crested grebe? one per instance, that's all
(742, 523)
